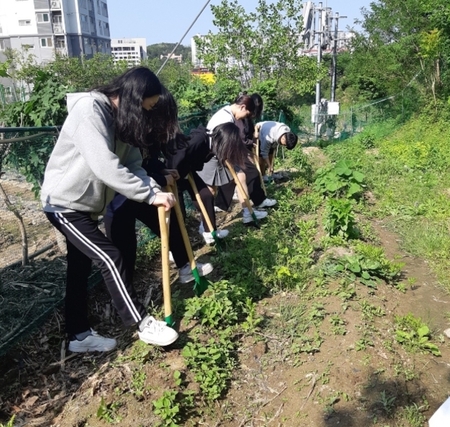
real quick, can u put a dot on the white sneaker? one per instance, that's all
(93, 342)
(156, 332)
(248, 218)
(207, 236)
(209, 239)
(267, 203)
(185, 273)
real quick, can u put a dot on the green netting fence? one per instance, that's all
(32, 262)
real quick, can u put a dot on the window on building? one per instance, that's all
(104, 9)
(43, 17)
(27, 46)
(2, 44)
(47, 42)
(24, 22)
(84, 23)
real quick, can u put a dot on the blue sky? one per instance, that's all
(167, 20)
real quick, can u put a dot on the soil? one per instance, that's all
(337, 384)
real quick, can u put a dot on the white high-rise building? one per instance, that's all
(132, 50)
(46, 27)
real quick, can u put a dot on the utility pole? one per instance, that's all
(319, 60)
(334, 57)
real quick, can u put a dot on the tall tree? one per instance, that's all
(410, 40)
(261, 45)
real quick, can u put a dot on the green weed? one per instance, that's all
(109, 412)
(414, 335)
(212, 364)
(10, 423)
(339, 219)
(340, 180)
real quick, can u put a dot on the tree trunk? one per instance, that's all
(22, 229)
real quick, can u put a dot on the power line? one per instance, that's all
(184, 35)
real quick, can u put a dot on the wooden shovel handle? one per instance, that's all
(239, 185)
(200, 202)
(164, 220)
(182, 225)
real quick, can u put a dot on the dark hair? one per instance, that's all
(259, 104)
(247, 101)
(291, 140)
(227, 145)
(249, 125)
(132, 122)
(165, 120)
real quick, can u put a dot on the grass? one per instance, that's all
(407, 171)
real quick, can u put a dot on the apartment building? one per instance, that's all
(46, 27)
(131, 50)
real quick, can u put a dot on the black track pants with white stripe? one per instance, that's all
(87, 244)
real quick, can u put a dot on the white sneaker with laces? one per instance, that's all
(267, 203)
(209, 239)
(93, 342)
(247, 218)
(185, 273)
(156, 332)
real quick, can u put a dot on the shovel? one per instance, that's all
(164, 219)
(205, 214)
(258, 166)
(243, 193)
(200, 282)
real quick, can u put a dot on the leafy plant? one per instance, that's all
(414, 335)
(212, 365)
(339, 219)
(220, 306)
(387, 402)
(340, 180)
(167, 408)
(108, 412)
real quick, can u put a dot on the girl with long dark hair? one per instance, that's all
(121, 214)
(98, 153)
(213, 175)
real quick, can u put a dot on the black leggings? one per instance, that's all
(121, 229)
(87, 244)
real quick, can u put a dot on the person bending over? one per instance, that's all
(269, 135)
(96, 155)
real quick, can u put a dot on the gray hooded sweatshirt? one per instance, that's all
(88, 165)
(269, 135)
